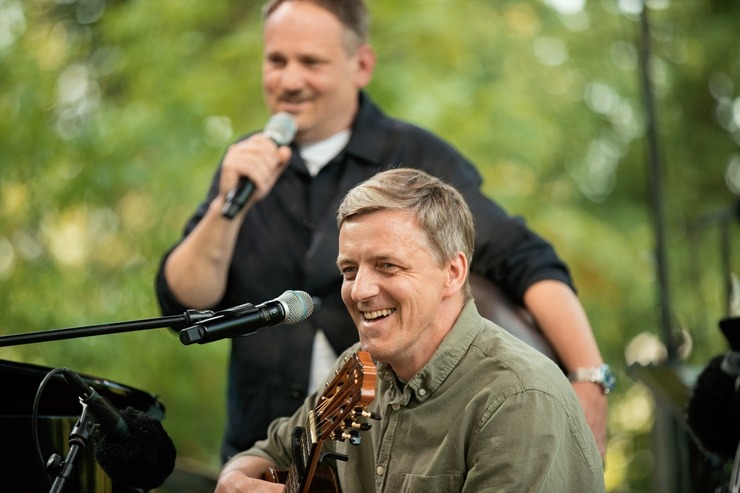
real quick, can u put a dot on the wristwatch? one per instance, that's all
(603, 375)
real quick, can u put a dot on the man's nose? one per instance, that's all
(291, 77)
(365, 285)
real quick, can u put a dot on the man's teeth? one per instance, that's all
(378, 313)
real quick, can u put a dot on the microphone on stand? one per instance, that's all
(289, 308)
(102, 411)
(131, 446)
(281, 128)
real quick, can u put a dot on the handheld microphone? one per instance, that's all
(713, 411)
(289, 308)
(131, 446)
(281, 128)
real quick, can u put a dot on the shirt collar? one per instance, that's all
(448, 355)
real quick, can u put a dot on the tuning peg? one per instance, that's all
(359, 426)
(353, 436)
(360, 412)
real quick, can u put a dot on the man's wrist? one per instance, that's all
(601, 375)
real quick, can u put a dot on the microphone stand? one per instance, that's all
(78, 438)
(188, 318)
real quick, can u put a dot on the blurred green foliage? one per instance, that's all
(113, 116)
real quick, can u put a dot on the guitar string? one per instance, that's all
(356, 374)
(341, 406)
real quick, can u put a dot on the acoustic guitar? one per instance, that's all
(336, 417)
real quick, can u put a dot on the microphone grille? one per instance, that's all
(298, 306)
(281, 128)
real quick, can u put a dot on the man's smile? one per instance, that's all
(378, 313)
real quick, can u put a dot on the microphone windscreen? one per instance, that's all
(144, 460)
(298, 306)
(281, 128)
(713, 411)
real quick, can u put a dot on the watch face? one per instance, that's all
(608, 380)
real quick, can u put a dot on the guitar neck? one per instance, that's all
(306, 455)
(334, 418)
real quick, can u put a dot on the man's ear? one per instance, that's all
(365, 65)
(457, 273)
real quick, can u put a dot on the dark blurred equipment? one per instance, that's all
(713, 411)
(730, 327)
(697, 423)
(58, 412)
(681, 466)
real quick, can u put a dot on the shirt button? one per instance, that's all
(422, 392)
(380, 470)
(308, 224)
(396, 406)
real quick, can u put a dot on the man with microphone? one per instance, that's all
(316, 63)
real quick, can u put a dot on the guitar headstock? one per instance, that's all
(345, 400)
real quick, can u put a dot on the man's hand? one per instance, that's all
(594, 404)
(239, 476)
(256, 158)
(238, 482)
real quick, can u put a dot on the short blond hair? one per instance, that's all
(438, 208)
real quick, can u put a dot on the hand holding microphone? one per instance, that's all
(280, 128)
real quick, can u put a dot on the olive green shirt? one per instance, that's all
(486, 413)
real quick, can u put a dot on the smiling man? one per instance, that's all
(465, 406)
